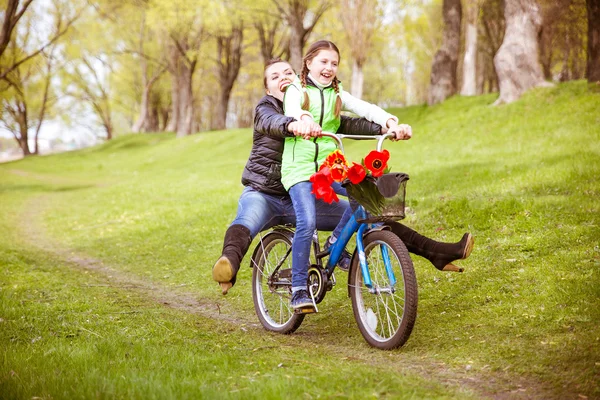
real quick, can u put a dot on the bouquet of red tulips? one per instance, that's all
(381, 193)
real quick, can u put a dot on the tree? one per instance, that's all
(360, 19)
(28, 97)
(562, 39)
(443, 82)
(229, 57)
(151, 69)
(13, 14)
(593, 47)
(273, 42)
(182, 32)
(301, 23)
(469, 81)
(90, 83)
(516, 62)
(491, 33)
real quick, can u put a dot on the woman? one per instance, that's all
(264, 203)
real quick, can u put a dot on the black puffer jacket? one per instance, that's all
(263, 169)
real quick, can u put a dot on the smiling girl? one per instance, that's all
(318, 98)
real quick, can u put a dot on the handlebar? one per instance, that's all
(338, 138)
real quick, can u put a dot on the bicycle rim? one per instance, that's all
(272, 300)
(386, 314)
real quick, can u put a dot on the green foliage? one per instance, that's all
(523, 178)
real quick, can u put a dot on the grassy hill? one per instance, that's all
(106, 289)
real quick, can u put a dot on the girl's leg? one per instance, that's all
(337, 187)
(304, 207)
(440, 254)
(344, 262)
(256, 211)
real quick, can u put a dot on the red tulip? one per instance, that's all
(376, 162)
(338, 172)
(356, 173)
(321, 183)
(335, 158)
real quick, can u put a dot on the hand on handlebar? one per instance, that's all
(401, 132)
(306, 129)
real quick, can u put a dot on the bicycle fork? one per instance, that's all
(360, 228)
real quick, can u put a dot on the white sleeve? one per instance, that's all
(366, 110)
(292, 103)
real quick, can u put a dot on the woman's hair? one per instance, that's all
(268, 64)
(312, 52)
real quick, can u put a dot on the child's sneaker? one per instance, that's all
(344, 261)
(301, 301)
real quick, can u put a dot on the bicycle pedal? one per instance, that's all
(305, 310)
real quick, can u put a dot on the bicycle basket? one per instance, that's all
(382, 197)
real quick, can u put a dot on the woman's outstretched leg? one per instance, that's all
(236, 243)
(440, 254)
(256, 211)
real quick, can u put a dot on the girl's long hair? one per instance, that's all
(312, 52)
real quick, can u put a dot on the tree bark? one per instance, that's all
(140, 123)
(295, 12)
(443, 83)
(296, 42)
(360, 21)
(12, 15)
(593, 47)
(186, 99)
(174, 62)
(357, 80)
(144, 123)
(267, 35)
(469, 84)
(229, 57)
(517, 63)
(20, 132)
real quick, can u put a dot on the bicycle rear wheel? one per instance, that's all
(271, 286)
(386, 313)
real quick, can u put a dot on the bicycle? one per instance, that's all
(381, 280)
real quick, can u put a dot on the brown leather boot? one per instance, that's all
(236, 243)
(440, 254)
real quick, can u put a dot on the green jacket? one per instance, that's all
(301, 157)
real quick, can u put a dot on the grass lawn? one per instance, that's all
(106, 256)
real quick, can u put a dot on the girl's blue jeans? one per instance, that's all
(308, 218)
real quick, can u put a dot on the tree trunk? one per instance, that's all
(517, 64)
(443, 71)
(144, 111)
(593, 48)
(296, 46)
(267, 35)
(469, 85)
(109, 130)
(229, 57)
(174, 66)
(186, 100)
(295, 13)
(23, 138)
(357, 80)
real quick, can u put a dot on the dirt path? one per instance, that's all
(489, 385)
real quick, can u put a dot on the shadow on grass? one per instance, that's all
(42, 188)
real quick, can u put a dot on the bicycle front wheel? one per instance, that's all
(386, 312)
(272, 282)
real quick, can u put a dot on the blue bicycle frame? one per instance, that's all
(338, 247)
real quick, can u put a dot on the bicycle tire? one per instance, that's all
(385, 318)
(272, 302)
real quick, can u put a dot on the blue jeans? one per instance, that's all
(259, 211)
(306, 210)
